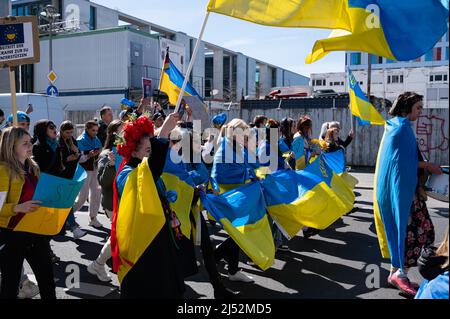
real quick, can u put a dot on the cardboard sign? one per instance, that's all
(19, 41)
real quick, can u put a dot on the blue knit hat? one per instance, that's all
(22, 117)
(219, 119)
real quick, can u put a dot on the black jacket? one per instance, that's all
(68, 168)
(49, 161)
(430, 265)
(102, 131)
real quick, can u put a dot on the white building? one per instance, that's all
(427, 75)
(106, 53)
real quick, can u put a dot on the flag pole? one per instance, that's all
(191, 63)
(347, 79)
(12, 85)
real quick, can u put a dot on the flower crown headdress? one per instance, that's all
(134, 129)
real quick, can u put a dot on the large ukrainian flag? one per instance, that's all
(242, 213)
(360, 106)
(314, 197)
(386, 32)
(171, 82)
(394, 187)
(139, 219)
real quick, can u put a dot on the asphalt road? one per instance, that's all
(342, 262)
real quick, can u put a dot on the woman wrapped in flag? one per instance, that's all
(304, 146)
(402, 220)
(305, 149)
(287, 131)
(230, 170)
(271, 147)
(145, 230)
(191, 169)
(282, 156)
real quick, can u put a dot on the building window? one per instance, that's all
(439, 77)
(376, 59)
(437, 54)
(93, 18)
(437, 94)
(321, 82)
(355, 58)
(394, 79)
(446, 54)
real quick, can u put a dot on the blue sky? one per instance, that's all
(284, 47)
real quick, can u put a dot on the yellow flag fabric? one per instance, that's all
(330, 14)
(140, 217)
(352, 33)
(182, 206)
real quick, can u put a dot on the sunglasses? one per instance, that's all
(52, 127)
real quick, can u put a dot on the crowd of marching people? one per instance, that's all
(125, 160)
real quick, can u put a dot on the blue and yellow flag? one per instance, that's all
(336, 161)
(57, 196)
(360, 106)
(394, 186)
(242, 213)
(171, 82)
(314, 197)
(176, 178)
(381, 27)
(139, 219)
(298, 147)
(12, 34)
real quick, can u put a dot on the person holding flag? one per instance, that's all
(19, 175)
(145, 230)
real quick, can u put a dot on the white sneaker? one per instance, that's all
(240, 276)
(28, 290)
(95, 223)
(78, 233)
(99, 270)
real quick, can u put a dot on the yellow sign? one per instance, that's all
(52, 76)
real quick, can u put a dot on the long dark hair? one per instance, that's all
(303, 124)
(404, 103)
(286, 129)
(40, 131)
(113, 127)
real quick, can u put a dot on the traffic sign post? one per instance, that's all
(52, 76)
(52, 90)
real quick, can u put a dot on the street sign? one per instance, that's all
(19, 41)
(52, 76)
(52, 90)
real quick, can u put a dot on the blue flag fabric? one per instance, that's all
(394, 187)
(434, 289)
(242, 212)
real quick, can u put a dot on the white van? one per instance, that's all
(44, 107)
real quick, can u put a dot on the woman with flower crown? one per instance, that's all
(145, 230)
